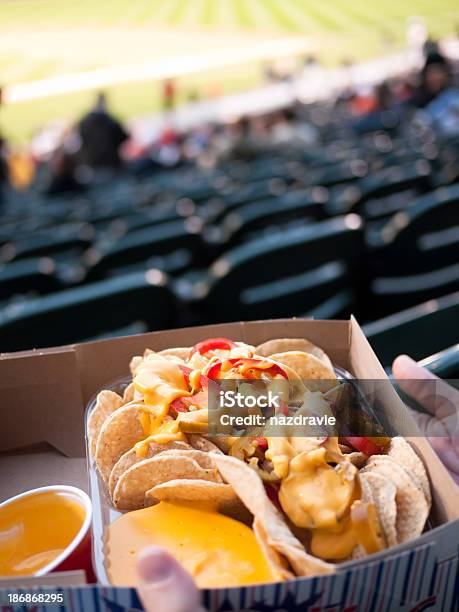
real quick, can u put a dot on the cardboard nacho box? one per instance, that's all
(43, 396)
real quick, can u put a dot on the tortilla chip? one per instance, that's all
(412, 506)
(277, 563)
(297, 388)
(309, 369)
(131, 457)
(181, 353)
(203, 444)
(401, 451)
(203, 459)
(359, 552)
(118, 434)
(284, 345)
(106, 403)
(129, 493)
(217, 494)
(357, 459)
(134, 364)
(380, 491)
(192, 490)
(129, 393)
(249, 487)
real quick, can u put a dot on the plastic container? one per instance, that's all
(103, 511)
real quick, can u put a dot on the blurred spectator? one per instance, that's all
(101, 137)
(89, 151)
(4, 172)
(390, 104)
(441, 109)
(168, 95)
(21, 169)
(435, 77)
(287, 130)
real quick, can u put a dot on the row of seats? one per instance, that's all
(410, 258)
(366, 225)
(313, 270)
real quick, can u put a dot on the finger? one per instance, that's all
(445, 446)
(164, 585)
(448, 452)
(431, 392)
(429, 425)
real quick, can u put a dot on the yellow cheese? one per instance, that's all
(217, 550)
(36, 529)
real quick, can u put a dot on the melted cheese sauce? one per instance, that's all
(314, 494)
(217, 550)
(35, 530)
(157, 429)
(160, 381)
(336, 543)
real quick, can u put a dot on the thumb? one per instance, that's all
(164, 585)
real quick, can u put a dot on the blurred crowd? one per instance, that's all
(98, 145)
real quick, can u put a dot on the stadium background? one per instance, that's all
(40, 39)
(331, 200)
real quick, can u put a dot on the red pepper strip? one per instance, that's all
(261, 442)
(244, 365)
(212, 344)
(284, 408)
(178, 405)
(203, 381)
(182, 404)
(364, 445)
(186, 371)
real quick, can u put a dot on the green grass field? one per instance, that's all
(46, 38)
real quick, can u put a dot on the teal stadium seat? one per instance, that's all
(84, 312)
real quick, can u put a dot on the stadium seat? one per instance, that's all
(444, 364)
(419, 331)
(140, 245)
(288, 273)
(415, 254)
(76, 314)
(302, 205)
(340, 172)
(124, 224)
(369, 195)
(42, 244)
(253, 191)
(28, 276)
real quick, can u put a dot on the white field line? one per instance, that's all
(156, 70)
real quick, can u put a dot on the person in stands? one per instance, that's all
(435, 78)
(169, 92)
(101, 136)
(4, 172)
(89, 151)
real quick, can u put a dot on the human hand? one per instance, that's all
(441, 402)
(164, 585)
